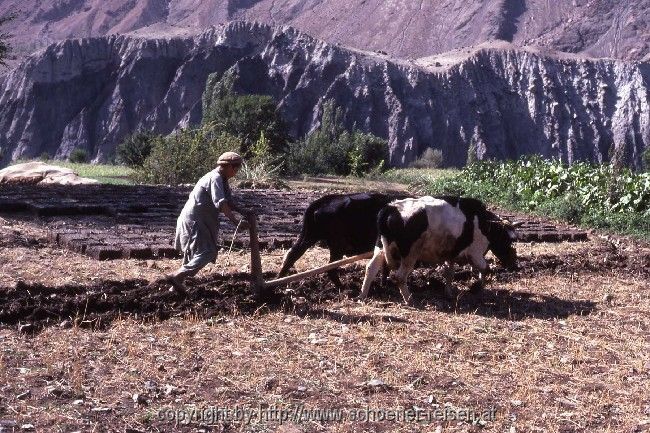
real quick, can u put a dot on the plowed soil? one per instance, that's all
(97, 306)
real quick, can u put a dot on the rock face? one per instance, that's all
(495, 99)
(405, 28)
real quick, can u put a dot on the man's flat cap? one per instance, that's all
(229, 158)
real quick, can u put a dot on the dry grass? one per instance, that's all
(557, 372)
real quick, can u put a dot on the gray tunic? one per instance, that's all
(197, 227)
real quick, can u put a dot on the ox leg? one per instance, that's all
(334, 273)
(372, 269)
(448, 275)
(480, 264)
(294, 253)
(385, 271)
(401, 277)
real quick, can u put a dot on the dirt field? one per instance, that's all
(561, 345)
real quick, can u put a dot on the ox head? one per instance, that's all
(501, 235)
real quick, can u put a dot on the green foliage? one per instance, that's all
(185, 156)
(104, 173)
(331, 149)
(44, 157)
(431, 158)
(261, 169)
(78, 156)
(135, 149)
(601, 196)
(243, 116)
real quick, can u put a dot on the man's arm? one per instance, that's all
(227, 209)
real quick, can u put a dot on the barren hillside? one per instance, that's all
(404, 28)
(504, 101)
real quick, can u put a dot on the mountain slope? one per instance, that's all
(402, 28)
(502, 101)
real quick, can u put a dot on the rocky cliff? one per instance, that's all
(496, 99)
(404, 28)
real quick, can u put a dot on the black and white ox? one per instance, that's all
(344, 223)
(438, 231)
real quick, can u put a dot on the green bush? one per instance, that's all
(185, 156)
(135, 149)
(431, 158)
(243, 116)
(78, 156)
(261, 169)
(330, 149)
(600, 196)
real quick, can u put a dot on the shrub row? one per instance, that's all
(602, 196)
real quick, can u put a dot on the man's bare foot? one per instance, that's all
(177, 285)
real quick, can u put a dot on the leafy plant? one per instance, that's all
(331, 149)
(135, 149)
(243, 116)
(185, 156)
(431, 158)
(78, 155)
(261, 169)
(580, 193)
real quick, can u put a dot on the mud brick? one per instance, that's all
(76, 209)
(78, 246)
(164, 251)
(530, 236)
(549, 237)
(137, 252)
(579, 236)
(68, 240)
(15, 206)
(104, 252)
(134, 208)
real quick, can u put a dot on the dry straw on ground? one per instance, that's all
(560, 346)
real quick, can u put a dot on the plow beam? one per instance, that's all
(259, 286)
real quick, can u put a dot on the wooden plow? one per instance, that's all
(259, 286)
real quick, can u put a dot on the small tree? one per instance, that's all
(331, 149)
(243, 116)
(135, 149)
(185, 156)
(78, 156)
(431, 158)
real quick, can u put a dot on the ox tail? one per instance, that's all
(390, 223)
(391, 228)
